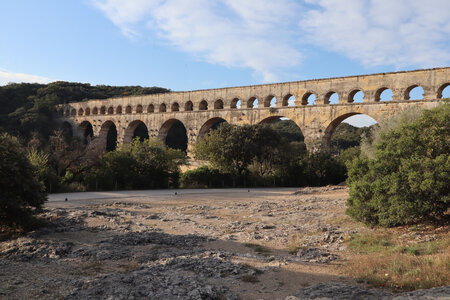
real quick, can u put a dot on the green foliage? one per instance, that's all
(138, 165)
(407, 180)
(20, 188)
(204, 177)
(347, 136)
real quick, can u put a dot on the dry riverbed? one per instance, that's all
(255, 244)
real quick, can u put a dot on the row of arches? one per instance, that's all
(357, 95)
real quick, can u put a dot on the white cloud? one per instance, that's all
(9, 77)
(401, 33)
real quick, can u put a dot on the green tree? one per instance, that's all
(406, 181)
(21, 191)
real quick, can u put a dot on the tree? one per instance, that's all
(406, 181)
(21, 191)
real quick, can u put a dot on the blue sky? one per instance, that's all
(198, 44)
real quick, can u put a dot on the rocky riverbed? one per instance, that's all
(257, 244)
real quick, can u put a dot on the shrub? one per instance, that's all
(204, 177)
(21, 190)
(407, 180)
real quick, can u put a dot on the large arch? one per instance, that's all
(209, 125)
(173, 133)
(108, 132)
(136, 128)
(85, 130)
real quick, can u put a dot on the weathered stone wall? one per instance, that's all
(198, 110)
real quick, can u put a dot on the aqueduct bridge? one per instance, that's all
(317, 106)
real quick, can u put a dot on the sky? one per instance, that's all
(201, 44)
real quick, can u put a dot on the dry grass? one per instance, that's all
(258, 249)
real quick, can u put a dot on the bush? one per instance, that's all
(407, 180)
(21, 191)
(204, 177)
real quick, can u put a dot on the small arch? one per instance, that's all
(288, 100)
(444, 91)
(108, 132)
(139, 109)
(270, 101)
(102, 110)
(383, 94)
(162, 107)
(309, 98)
(414, 92)
(209, 125)
(235, 103)
(356, 96)
(218, 104)
(150, 108)
(80, 112)
(85, 130)
(175, 106)
(189, 106)
(73, 112)
(331, 98)
(67, 113)
(252, 102)
(95, 111)
(88, 111)
(137, 128)
(173, 133)
(203, 105)
(110, 110)
(128, 109)
(119, 110)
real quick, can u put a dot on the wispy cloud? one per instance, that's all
(271, 37)
(10, 77)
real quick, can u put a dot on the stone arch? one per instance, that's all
(175, 106)
(329, 95)
(440, 91)
(379, 92)
(119, 110)
(80, 112)
(137, 128)
(268, 101)
(173, 133)
(102, 110)
(87, 112)
(128, 109)
(407, 93)
(86, 131)
(162, 107)
(307, 98)
(328, 134)
(110, 110)
(73, 112)
(108, 133)
(209, 125)
(235, 103)
(189, 106)
(352, 94)
(253, 102)
(218, 104)
(150, 108)
(139, 109)
(67, 112)
(288, 98)
(95, 111)
(203, 105)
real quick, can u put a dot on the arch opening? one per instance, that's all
(135, 129)
(414, 92)
(173, 133)
(218, 104)
(95, 111)
(356, 96)
(175, 106)
(345, 131)
(86, 131)
(73, 112)
(270, 101)
(108, 132)
(236, 103)
(383, 94)
(88, 111)
(309, 99)
(252, 102)
(80, 112)
(189, 106)
(331, 98)
(110, 110)
(139, 109)
(289, 100)
(162, 107)
(102, 110)
(203, 105)
(150, 108)
(128, 109)
(119, 110)
(444, 91)
(211, 124)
